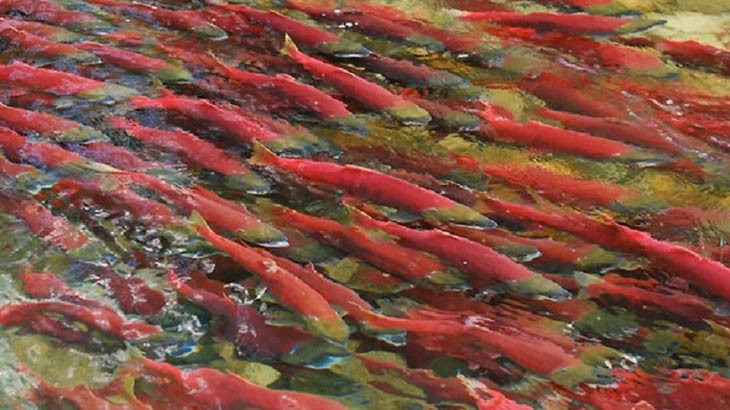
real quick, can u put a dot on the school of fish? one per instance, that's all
(364, 204)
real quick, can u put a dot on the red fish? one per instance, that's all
(222, 214)
(116, 156)
(561, 188)
(245, 127)
(335, 293)
(248, 327)
(62, 83)
(688, 52)
(568, 93)
(549, 250)
(534, 354)
(47, 125)
(118, 197)
(103, 320)
(198, 152)
(308, 97)
(233, 23)
(310, 36)
(180, 19)
(669, 389)
(238, 220)
(376, 187)
(564, 23)
(13, 170)
(226, 391)
(454, 389)
(18, 148)
(133, 294)
(539, 135)
(412, 75)
(611, 56)
(53, 229)
(137, 62)
(369, 23)
(670, 304)
(35, 44)
(48, 11)
(484, 265)
(367, 93)
(401, 261)
(45, 31)
(459, 43)
(710, 275)
(643, 134)
(289, 289)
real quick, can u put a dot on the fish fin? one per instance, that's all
(198, 222)
(289, 49)
(262, 155)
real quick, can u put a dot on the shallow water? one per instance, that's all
(599, 148)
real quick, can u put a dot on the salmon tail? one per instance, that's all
(289, 49)
(262, 155)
